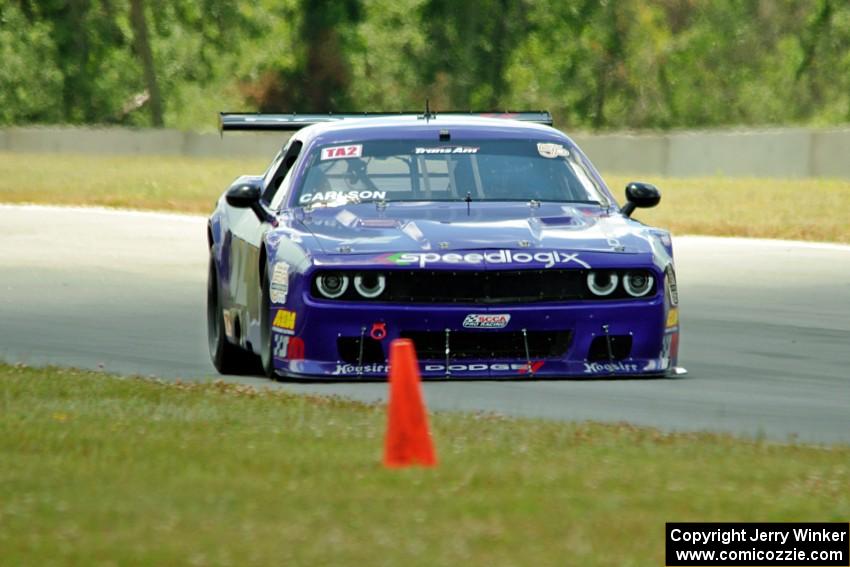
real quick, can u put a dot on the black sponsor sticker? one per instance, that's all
(773, 543)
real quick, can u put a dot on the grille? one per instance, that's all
(349, 350)
(621, 347)
(431, 345)
(481, 287)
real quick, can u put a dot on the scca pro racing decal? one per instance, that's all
(548, 259)
(486, 321)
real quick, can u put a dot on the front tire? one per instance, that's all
(226, 357)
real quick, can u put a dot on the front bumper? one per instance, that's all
(322, 325)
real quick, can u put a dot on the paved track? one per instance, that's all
(766, 325)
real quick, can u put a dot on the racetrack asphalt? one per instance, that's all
(765, 326)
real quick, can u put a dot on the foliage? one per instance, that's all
(597, 64)
(387, 69)
(26, 96)
(686, 63)
(317, 77)
(469, 54)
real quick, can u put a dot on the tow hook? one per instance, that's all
(379, 331)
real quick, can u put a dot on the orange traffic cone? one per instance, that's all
(408, 440)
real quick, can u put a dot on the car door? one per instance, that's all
(246, 238)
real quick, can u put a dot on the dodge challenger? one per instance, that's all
(488, 239)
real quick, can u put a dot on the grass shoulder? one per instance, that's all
(793, 209)
(798, 209)
(134, 471)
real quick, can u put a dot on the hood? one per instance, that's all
(415, 227)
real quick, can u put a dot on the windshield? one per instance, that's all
(418, 170)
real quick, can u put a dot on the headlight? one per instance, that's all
(370, 285)
(638, 284)
(602, 283)
(332, 285)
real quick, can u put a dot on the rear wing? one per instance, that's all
(257, 121)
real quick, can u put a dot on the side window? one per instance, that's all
(290, 156)
(267, 176)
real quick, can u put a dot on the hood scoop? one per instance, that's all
(379, 223)
(558, 221)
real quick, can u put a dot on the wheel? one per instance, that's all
(266, 358)
(226, 357)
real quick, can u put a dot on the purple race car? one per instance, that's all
(489, 240)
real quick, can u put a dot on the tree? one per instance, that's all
(142, 48)
(88, 53)
(319, 80)
(470, 45)
(25, 45)
(597, 64)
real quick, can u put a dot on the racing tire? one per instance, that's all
(226, 357)
(266, 358)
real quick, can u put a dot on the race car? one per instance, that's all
(487, 239)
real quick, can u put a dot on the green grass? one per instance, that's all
(798, 209)
(190, 185)
(807, 209)
(99, 470)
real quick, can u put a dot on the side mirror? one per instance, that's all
(243, 195)
(641, 195)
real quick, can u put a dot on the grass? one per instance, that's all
(798, 209)
(100, 470)
(190, 185)
(806, 209)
